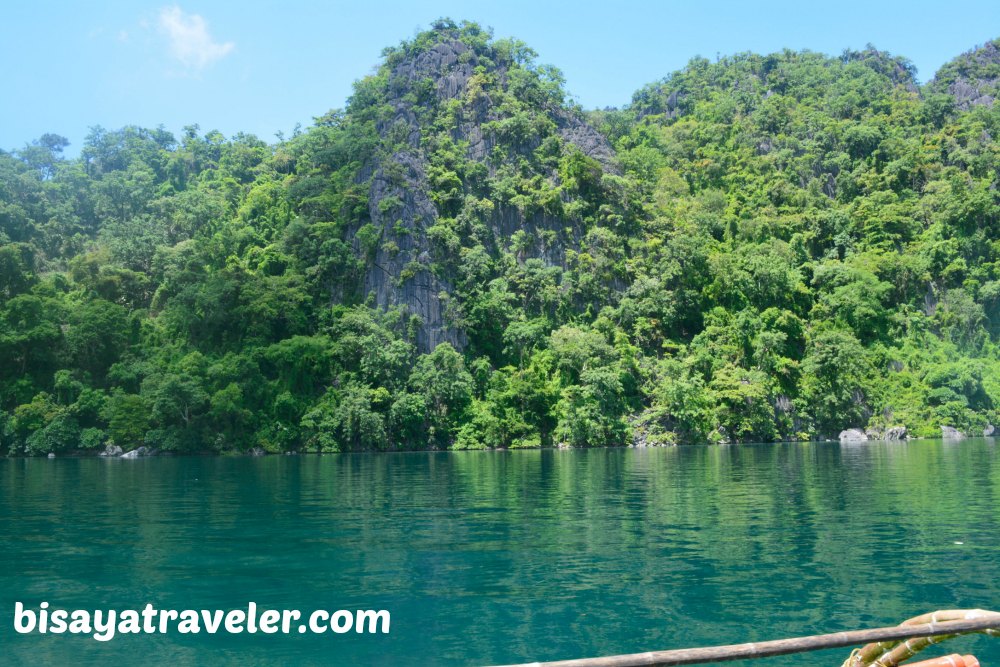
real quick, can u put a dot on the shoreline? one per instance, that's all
(84, 454)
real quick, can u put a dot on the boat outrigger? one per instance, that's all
(883, 647)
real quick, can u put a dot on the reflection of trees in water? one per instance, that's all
(497, 556)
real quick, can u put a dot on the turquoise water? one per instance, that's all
(498, 557)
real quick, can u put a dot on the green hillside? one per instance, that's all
(759, 248)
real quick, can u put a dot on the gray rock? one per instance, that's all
(989, 431)
(257, 451)
(591, 143)
(139, 452)
(891, 433)
(895, 433)
(853, 435)
(51, 455)
(112, 450)
(951, 433)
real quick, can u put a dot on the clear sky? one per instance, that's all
(261, 67)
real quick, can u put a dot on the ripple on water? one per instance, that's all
(494, 557)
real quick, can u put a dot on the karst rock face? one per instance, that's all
(973, 78)
(484, 98)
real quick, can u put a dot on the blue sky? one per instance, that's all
(261, 67)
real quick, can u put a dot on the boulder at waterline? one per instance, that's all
(853, 435)
(951, 433)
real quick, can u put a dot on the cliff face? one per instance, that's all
(490, 107)
(391, 275)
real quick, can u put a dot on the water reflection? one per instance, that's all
(492, 557)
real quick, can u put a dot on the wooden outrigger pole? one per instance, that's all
(882, 644)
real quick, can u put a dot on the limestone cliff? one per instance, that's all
(496, 110)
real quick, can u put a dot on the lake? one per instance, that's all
(499, 557)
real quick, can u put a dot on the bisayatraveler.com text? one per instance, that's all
(105, 624)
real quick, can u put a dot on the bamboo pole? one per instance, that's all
(889, 653)
(694, 656)
(908, 649)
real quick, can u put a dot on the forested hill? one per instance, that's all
(757, 248)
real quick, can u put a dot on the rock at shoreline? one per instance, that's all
(951, 433)
(989, 431)
(891, 433)
(256, 451)
(138, 452)
(895, 433)
(853, 435)
(51, 455)
(112, 450)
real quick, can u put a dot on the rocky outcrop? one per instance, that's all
(256, 451)
(591, 143)
(973, 78)
(649, 431)
(895, 433)
(890, 433)
(449, 65)
(951, 433)
(853, 435)
(989, 431)
(139, 452)
(970, 94)
(112, 450)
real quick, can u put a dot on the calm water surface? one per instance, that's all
(497, 557)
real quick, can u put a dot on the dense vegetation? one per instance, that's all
(758, 248)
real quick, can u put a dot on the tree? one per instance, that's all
(16, 276)
(127, 417)
(592, 413)
(62, 433)
(744, 400)
(347, 420)
(445, 385)
(98, 333)
(836, 378)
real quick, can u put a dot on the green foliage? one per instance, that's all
(836, 381)
(347, 420)
(442, 381)
(781, 247)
